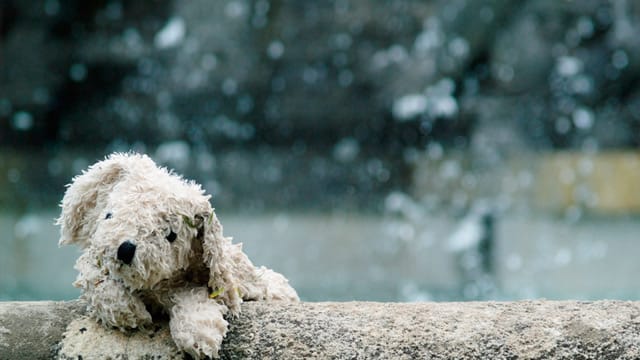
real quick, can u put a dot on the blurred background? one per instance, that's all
(373, 150)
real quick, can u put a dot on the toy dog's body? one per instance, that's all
(153, 245)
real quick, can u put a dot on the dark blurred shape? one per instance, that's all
(473, 244)
(8, 15)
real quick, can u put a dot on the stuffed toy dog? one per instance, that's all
(152, 245)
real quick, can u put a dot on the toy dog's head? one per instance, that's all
(143, 224)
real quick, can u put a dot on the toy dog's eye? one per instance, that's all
(108, 216)
(172, 236)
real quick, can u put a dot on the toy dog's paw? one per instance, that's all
(115, 306)
(126, 317)
(197, 324)
(200, 338)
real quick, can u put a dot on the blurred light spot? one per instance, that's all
(208, 62)
(41, 95)
(568, 66)
(376, 169)
(342, 41)
(346, 150)
(397, 53)
(582, 84)
(213, 187)
(262, 7)
(245, 104)
(229, 86)
(563, 257)
(271, 174)
(132, 39)
(504, 72)
(436, 102)
(259, 21)
(459, 47)
(450, 169)
(430, 38)
(275, 50)
(175, 153)
(80, 163)
(171, 34)
(379, 60)
(445, 106)
(395, 201)
(590, 145)
(27, 226)
(205, 161)
(235, 9)
(310, 75)
(619, 59)
(583, 118)
(78, 72)
(22, 121)
(409, 106)
(51, 7)
(400, 230)
(113, 10)
(585, 27)
(411, 293)
(233, 129)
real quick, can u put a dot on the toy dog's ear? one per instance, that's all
(80, 204)
(222, 283)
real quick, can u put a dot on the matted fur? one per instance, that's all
(195, 279)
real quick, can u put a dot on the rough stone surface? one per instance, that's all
(481, 330)
(32, 330)
(86, 339)
(349, 330)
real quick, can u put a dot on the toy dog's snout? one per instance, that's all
(126, 251)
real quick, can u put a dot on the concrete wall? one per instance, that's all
(350, 330)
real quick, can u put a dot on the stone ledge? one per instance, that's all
(349, 330)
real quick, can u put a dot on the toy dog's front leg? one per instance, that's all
(197, 322)
(109, 301)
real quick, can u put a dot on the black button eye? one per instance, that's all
(171, 237)
(108, 216)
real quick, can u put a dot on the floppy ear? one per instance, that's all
(81, 202)
(222, 282)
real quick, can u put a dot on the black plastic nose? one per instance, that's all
(126, 250)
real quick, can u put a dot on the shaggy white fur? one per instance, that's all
(153, 245)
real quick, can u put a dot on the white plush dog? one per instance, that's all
(153, 245)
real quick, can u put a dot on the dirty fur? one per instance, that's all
(196, 279)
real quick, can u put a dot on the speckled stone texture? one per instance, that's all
(33, 329)
(475, 330)
(350, 330)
